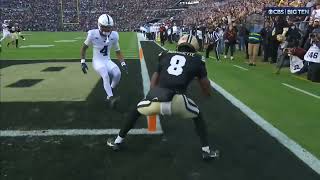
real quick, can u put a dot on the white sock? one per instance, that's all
(118, 140)
(108, 97)
(206, 149)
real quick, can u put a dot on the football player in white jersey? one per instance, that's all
(102, 40)
(5, 31)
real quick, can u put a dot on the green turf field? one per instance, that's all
(61, 45)
(44, 89)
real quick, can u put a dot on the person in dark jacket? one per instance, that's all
(230, 39)
(266, 34)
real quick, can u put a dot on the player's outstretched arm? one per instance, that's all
(205, 86)
(83, 51)
(154, 80)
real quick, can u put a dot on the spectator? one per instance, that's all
(230, 39)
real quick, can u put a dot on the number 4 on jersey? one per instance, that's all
(104, 51)
(176, 64)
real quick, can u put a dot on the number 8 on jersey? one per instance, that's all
(176, 64)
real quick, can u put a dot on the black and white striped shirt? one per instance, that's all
(212, 37)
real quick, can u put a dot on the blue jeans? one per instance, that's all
(242, 44)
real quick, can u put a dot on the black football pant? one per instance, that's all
(214, 47)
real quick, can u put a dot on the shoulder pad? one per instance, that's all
(200, 57)
(90, 32)
(114, 34)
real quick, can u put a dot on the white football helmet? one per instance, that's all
(105, 22)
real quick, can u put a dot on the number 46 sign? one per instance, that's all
(312, 56)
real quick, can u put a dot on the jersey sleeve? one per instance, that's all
(115, 43)
(88, 41)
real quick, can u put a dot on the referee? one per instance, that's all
(213, 43)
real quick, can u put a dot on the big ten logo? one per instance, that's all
(292, 12)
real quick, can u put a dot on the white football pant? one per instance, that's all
(110, 74)
(5, 35)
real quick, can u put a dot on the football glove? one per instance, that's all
(124, 66)
(84, 66)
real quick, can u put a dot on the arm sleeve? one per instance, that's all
(88, 41)
(115, 44)
(202, 72)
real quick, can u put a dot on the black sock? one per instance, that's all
(17, 42)
(201, 130)
(130, 122)
(22, 37)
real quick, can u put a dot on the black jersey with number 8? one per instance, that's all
(178, 69)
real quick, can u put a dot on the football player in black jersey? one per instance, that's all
(15, 32)
(167, 92)
(18, 30)
(14, 37)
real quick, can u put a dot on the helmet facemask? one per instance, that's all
(105, 30)
(105, 24)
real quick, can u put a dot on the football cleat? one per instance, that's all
(212, 154)
(113, 101)
(113, 145)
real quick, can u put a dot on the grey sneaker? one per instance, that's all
(213, 154)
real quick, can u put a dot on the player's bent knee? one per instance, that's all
(148, 108)
(180, 106)
(184, 107)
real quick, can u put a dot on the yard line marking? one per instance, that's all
(303, 91)
(153, 121)
(72, 132)
(294, 147)
(240, 67)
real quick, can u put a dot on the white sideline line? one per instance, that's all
(240, 67)
(294, 147)
(71, 132)
(303, 91)
(146, 78)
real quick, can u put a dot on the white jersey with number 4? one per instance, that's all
(5, 29)
(313, 54)
(102, 46)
